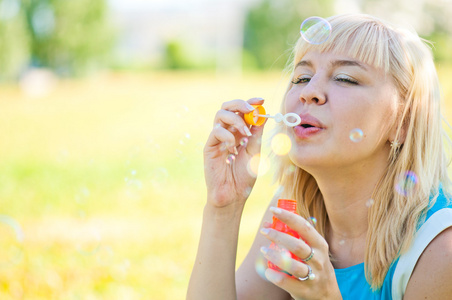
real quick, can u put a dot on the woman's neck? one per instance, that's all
(347, 195)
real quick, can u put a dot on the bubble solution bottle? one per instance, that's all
(289, 205)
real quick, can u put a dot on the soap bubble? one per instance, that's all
(260, 266)
(244, 142)
(312, 221)
(104, 255)
(90, 243)
(406, 183)
(11, 240)
(356, 135)
(370, 202)
(281, 144)
(341, 242)
(230, 159)
(315, 30)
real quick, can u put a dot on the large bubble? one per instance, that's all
(406, 183)
(315, 30)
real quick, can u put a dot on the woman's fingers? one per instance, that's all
(223, 137)
(297, 246)
(228, 119)
(241, 106)
(304, 228)
(282, 258)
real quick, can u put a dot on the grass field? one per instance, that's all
(101, 182)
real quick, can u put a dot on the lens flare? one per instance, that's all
(258, 165)
(281, 144)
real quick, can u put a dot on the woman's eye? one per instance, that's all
(346, 79)
(302, 79)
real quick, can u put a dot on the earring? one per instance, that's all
(395, 144)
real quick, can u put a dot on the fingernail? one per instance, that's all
(247, 131)
(265, 231)
(264, 250)
(275, 210)
(250, 107)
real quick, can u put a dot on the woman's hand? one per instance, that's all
(311, 247)
(230, 182)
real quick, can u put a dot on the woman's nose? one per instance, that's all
(313, 93)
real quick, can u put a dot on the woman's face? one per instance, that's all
(338, 97)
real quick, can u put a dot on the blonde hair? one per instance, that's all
(393, 218)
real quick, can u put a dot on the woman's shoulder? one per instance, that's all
(432, 241)
(432, 274)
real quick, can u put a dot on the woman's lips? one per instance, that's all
(304, 133)
(308, 127)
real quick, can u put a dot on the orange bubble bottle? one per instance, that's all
(289, 205)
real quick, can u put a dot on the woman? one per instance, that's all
(383, 218)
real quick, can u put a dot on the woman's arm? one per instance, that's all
(228, 186)
(250, 284)
(213, 273)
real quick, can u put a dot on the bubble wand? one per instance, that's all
(258, 115)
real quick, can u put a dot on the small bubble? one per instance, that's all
(406, 183)
(11, 241)
(187, 136)
(290, 169)
(315, 30)
(133, 172)
(104, 255)
(244, 142)
(90, 243)
(341, 242)
(312, 221)
(223, 147)
(260, 266)
(281, 144)
(248, 191)
(370, 202)
(356, 135)
(230, 159)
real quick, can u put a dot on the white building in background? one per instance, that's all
(208, 29)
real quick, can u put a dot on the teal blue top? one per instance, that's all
(352, 280)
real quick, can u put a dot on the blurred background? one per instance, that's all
(104, 109)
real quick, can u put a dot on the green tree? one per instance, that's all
(69, 36)
(272, 28)
(14, 39)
